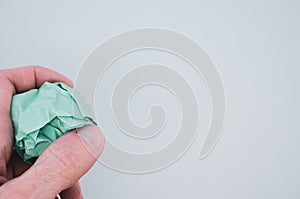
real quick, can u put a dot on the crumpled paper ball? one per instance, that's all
(40, 116)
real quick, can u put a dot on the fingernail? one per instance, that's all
(93, 135)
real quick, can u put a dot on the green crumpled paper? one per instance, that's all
(42, 115)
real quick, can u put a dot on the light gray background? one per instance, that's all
(255, 45)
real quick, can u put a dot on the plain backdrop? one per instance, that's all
(255, 46)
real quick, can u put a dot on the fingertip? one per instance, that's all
(70, 83)
(93, 139)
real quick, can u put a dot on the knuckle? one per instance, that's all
(65, 163)
(35, 67)
(3, 75)
(64, 159)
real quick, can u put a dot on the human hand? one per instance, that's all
(61, 165)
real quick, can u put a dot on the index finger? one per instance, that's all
(13, 81)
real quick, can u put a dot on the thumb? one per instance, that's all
(64, 161)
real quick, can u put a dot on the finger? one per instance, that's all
(73, 192)
(63, 163)
(18, 165)
(29, 77)
(13, 81)
(6, 137)
(3, 180)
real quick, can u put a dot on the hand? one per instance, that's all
(61, 165)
